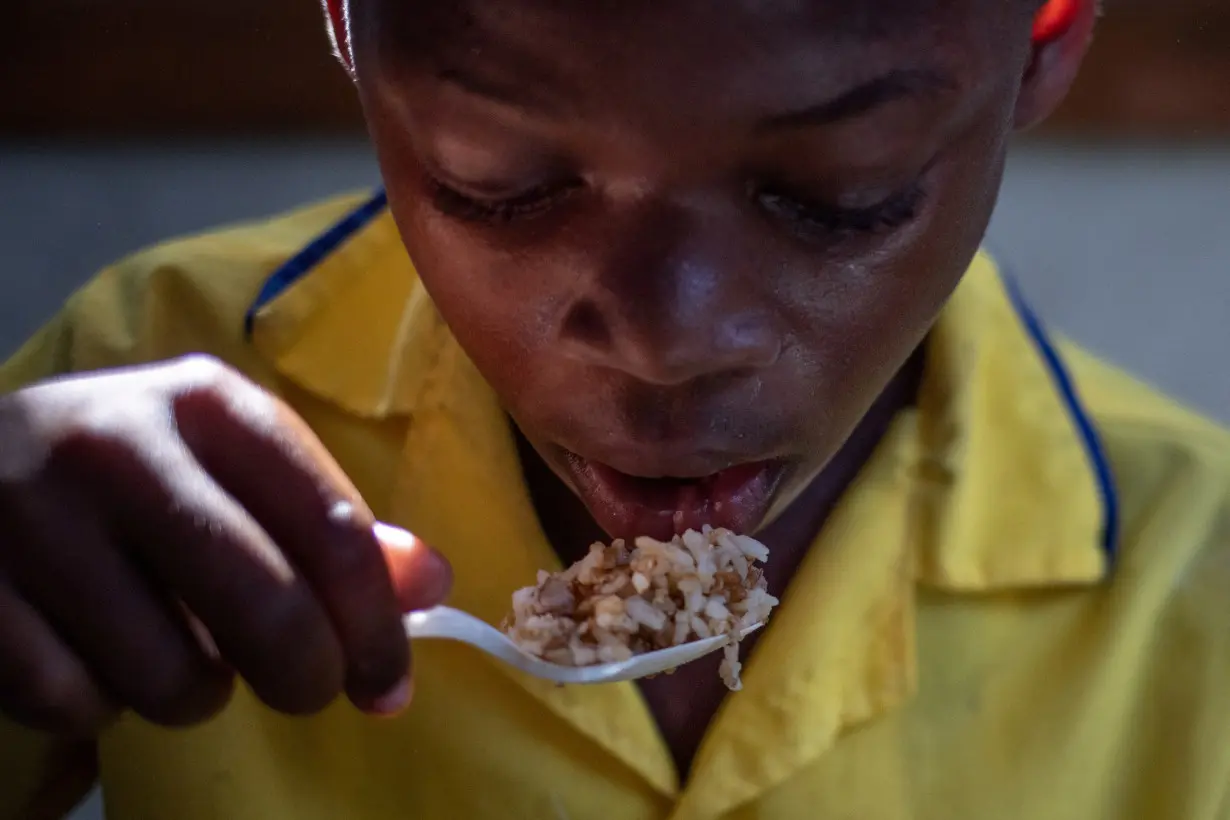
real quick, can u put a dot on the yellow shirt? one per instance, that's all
(1020, 610)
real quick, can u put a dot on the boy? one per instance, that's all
(675, 263)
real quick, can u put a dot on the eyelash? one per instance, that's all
(895, 212)
(498, 211)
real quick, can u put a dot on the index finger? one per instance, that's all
(267, 458)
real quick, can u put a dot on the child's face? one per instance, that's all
(683, 236)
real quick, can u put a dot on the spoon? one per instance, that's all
(454, 625)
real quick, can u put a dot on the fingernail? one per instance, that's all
(395, 537)
(394, 701)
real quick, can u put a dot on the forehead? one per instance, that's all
(585, 47)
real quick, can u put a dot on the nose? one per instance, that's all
(669, 298)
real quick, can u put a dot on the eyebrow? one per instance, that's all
(897, 85)
(524, 96)
(888, 88)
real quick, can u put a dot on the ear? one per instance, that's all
(338, 20)
(1062, 32)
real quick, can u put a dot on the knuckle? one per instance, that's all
(355, 559)
(348, 523)
(58, 700)
(201, 369)
(23, 452)
(210, 389)
(201, 376)
(54, 687)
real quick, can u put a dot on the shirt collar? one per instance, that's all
(347, 320)
(995, 481)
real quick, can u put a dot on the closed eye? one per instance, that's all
(499, 210)
(813, 216)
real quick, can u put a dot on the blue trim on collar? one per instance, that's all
(314, 253)
(1080, 415)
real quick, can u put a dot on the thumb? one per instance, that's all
(422, 577)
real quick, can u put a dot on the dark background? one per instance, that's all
(158, 67)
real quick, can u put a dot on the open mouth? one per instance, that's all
(626, 506)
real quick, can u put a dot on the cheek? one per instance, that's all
(498, 305)
(859, 319)
(500, 301)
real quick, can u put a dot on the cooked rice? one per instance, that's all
(618, 602)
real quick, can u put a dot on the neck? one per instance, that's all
(570, 529)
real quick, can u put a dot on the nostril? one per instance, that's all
(585, 324)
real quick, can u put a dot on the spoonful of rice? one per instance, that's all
(623, 613)
(455, 625)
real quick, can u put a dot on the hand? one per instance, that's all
(165, 528)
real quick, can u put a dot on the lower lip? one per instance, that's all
(737, 499)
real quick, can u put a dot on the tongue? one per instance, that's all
(663, 493)
(686, 504)
(683, 504)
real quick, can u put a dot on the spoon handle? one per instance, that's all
(446, 622)
(454, 625)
